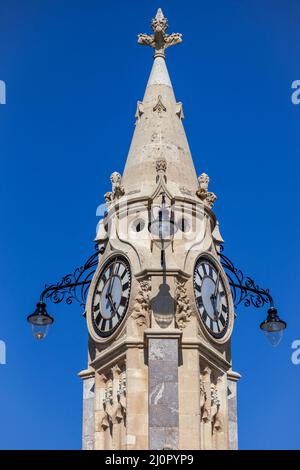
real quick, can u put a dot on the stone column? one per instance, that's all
(232, 378)
(163, 346)
(88, 378)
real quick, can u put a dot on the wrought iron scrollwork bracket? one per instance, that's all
(243, 288)
(75, 286)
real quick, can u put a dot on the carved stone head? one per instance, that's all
(203, 181)
(115, 179)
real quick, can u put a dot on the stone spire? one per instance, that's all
(159, 142)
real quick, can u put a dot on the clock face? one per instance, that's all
(111, 296)
(211, 298)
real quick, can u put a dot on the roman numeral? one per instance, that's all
(125, 286)
(124, 273)
(199, 274)
(123, 301)
(204, 269)
(210, 271)
(222, 319)
(197, 287)
(199, 301)
(224, 308)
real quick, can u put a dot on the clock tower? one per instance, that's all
(159, 309)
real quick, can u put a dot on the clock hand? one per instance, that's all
(217, 285)
(110, 281)
(112, 303)
(213, 297)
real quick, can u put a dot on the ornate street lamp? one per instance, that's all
(273, 327)
(40, 321)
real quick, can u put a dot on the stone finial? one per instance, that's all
(207, 197)
(203, 181)
(159, 40)
(116, 189)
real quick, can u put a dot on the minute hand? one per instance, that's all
(214, 296)
(217, 285)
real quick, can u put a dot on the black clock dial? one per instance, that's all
(211, 298)
(111, 296)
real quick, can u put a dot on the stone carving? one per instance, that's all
(210, 199)
(113, 411)
(161, 165)
(215, 407)
(183, 309)
(117, 190)
(140, 311)
(159, 107)
(108, 199)
(205, 399)
(203, 181)
(159, 40)
(209, 401)
(207, 197)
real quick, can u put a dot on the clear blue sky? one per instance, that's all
(74, 72)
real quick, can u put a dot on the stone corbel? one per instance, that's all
(102, 420)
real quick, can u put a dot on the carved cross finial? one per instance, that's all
(159, 40)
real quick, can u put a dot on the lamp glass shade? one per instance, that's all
(273, 327)
(40, 321)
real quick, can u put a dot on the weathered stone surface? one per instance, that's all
(163, 438)
(88, 418)
(163, 391)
